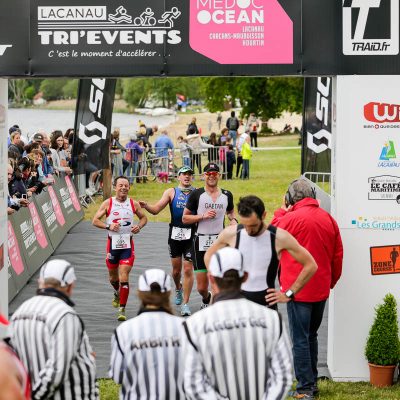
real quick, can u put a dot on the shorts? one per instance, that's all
(115, 258)
(179, 248)
(259, 298)
(198, 256)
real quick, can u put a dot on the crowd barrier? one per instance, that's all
(34, 232)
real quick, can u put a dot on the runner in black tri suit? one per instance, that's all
(206, 207)
(180, 235)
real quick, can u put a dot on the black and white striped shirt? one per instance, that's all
(50, 339)
(147, 358)
(236, 349)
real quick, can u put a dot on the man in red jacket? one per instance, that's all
(318, 232)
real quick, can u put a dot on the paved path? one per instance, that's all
(84, 246)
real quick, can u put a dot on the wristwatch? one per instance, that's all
(290, 294)
(108, 227)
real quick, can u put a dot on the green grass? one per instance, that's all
(270, 174)
(329, 390)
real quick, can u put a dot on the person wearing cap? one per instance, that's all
(206, 209)
(133, 151)
(318, 232)
(262, 246)
(14, 379)
(120, 212)
(180, 235)
(43, 139)
(235, 349)
(50, 338)
(146, 351)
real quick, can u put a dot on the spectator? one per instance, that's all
(14, 379)
(246, 156)
(239, 144)
(43, 141)
(230, 161)
(60, 163)
(15, 145)
(233, 337)
(223, 138)
(192, 127)
(219, 120)
(252, 126)
(146, 355)
(49, 338)
(116, 154)
(162, 144)
(232, 123)
(13, 204)
(25, 166)
(185, 150)
(142, 135)
(133, 150)
(318, 232)
(151, 131)
(195, 141)
(16, 187)
(211, 152)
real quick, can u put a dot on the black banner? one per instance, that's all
(317, 125)
(91, 149)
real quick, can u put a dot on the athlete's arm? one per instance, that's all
(224, 240)
(230, 212)
(142, 218)
(101, 212)
(285, 241)
(160, 205)
(188, 218)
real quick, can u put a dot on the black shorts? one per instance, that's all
(198, 256)
(179, 248)
(259, 298)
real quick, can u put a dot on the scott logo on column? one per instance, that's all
(241, 31)
(370, 27)
(95, 106)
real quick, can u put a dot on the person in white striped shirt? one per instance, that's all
(50, 338)
(236, 349)
(146, 351)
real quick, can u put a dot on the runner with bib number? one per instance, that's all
(180, 235)
(206, 209)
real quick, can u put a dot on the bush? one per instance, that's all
(52, 88)
(383, 345)
(70, 89)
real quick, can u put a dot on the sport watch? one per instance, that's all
(290, 294)
(108, 227)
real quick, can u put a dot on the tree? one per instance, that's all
(70, 89)
(267, 97)
(53, 88)
(17, 88)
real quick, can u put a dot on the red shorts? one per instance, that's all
(115, 258)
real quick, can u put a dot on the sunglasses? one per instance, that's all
(213, 173)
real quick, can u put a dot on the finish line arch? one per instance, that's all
(43, 38)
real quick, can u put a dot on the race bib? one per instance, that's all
(181, 233)
(206, 241)
(121, 242)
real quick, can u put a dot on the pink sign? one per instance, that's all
(37, 226)
(241, 31)
(13, 251)
(72, 193)
(56, 206)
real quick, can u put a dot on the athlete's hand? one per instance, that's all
(276, 296)
(210, 214)
(135, 229)
(114, 227)
(142, 204)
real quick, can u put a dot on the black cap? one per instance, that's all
(210, 167)
(38, 137)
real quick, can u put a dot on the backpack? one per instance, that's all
(232, 125)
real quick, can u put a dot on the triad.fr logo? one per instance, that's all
(370, 27)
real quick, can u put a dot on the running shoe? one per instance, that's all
(185, 310)
(115, 301)
(205, 305)
(304, 396)
(121, 314)
(178, 297)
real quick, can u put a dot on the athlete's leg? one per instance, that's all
(177, 271)
(124, 271)
(188, 279)
(202, 284)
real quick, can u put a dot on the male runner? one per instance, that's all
(180, 235)
(207, 207)
(119, 212)
(261, 245)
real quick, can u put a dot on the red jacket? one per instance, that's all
(318, 232)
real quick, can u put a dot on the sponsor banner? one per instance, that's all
(51, 215)
(69, 203)
(380, 222)
(384, 187)
(31, 236)
(12, 287)
(317, 125)
(91, 149)
(385, 259)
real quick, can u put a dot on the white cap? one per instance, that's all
(225, 259)
(61, 270)
(154, 276)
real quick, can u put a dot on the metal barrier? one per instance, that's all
(322, 179)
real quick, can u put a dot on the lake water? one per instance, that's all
(30, 121)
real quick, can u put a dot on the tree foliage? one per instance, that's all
(266, 97)
(70, 89)
(383, 346)
(53, 88)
